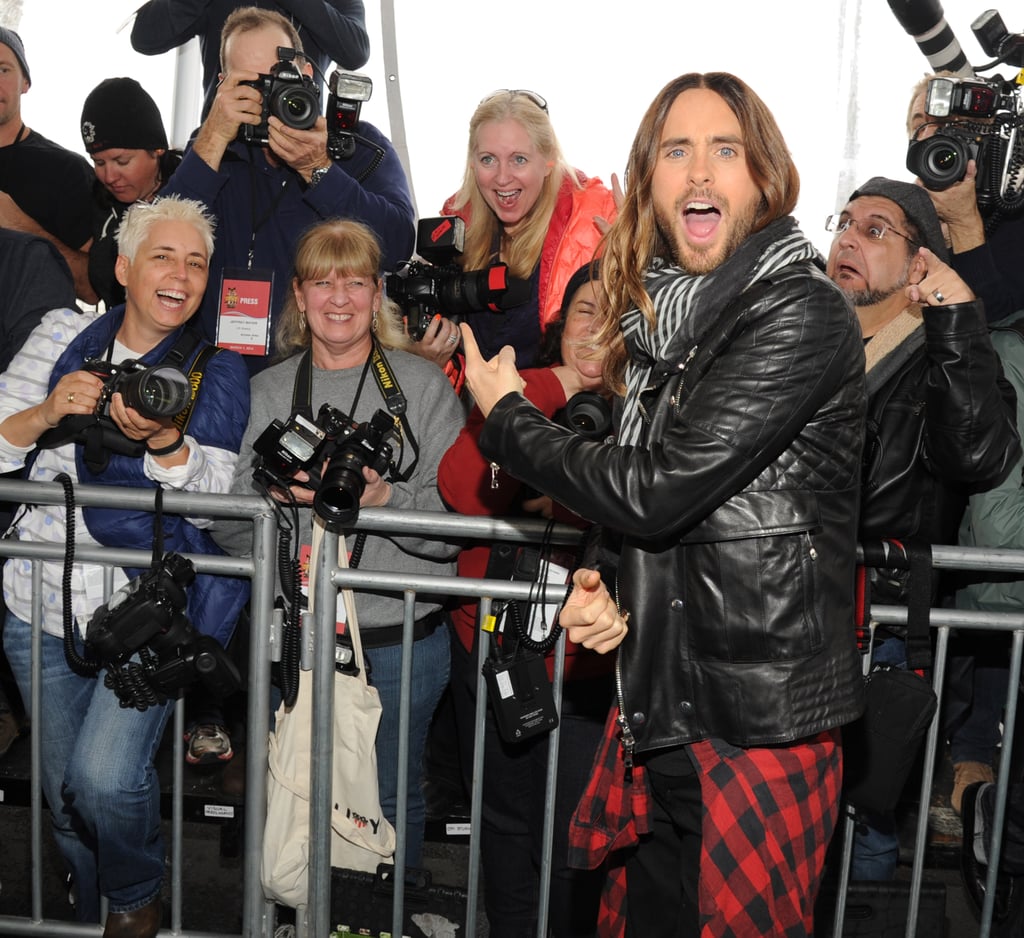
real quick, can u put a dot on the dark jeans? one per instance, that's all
(513, 808)
(662, 877)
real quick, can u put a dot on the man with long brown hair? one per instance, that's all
(730, 496)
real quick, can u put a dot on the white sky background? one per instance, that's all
(836, 73)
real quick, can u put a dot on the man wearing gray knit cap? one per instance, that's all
(941, 419)
(45, 190)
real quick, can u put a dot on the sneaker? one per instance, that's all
(9, 731)
(208, 744)
(967, 773)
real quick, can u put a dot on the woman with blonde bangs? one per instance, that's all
(524, 206)
(335, 319)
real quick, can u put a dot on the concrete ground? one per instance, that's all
(213, 875)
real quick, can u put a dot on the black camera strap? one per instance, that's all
(387, 383)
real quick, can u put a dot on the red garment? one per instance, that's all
(572, 237)
(769, 815)
(612, 814)
(464, 480)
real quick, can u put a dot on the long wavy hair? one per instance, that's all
(635, 239)
(351, 249)
(483, 227)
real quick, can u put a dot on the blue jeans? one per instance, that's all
(98, 777)
(876, 840)
(431, 664)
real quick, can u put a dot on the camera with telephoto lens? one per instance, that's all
(146, 617)
(982, 120)
(346, 446)
(423, 289)
(154, 391)
(288, 95)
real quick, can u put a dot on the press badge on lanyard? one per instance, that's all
(243, 314)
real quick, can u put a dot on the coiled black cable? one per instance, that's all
(84, 667)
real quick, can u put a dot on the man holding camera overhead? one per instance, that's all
(263, 161)
(985, 242)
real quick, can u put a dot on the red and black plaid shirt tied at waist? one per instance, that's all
(769, 814)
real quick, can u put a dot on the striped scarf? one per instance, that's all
(685, 304)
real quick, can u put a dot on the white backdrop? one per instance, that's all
(836, 73)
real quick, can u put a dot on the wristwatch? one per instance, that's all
(317, 175)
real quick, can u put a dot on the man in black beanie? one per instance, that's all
(45, 189)
(941, 417)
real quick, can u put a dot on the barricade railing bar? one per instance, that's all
(258, 915)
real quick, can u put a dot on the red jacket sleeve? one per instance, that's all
(464, 475)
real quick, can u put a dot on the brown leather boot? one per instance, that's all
(140, 923)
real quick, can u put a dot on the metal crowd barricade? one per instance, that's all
(942, 621)
(257, 913)
(258, 918)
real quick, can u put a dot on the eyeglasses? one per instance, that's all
(512, 92)
(873, 229)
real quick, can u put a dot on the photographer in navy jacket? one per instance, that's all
(97, 753)
(265, 197)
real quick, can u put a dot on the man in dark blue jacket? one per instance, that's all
(267, 194)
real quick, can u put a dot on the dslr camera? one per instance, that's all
(347, 447)
(147, 617)
(154, 391)
(422, 289)
(288, 95)
(983, 120)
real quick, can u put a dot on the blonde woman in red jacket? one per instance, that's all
(524, 206)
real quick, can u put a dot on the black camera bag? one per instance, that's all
(879, 749)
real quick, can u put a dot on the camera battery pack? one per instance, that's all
(520, 695)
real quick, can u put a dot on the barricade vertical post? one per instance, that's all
(258, 911)
(177, 815)
(550, 793)
(927, 777)
(476, 799)
(322, 757)
(1002, 783)
(402, 793)
(35, 757)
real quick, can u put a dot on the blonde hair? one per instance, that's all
(140, 217)
(483, 227)
(351, 249)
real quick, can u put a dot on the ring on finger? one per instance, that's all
(71, 397)
(937, 293)
(452, 339)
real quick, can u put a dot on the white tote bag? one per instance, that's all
(361, 836)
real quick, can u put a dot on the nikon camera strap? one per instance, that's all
(387, 382)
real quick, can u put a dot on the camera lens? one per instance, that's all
(295, 105)
(589, 415)
(337, 499)
(162, 391)
(939, 161)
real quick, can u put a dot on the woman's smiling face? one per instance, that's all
(510, 170)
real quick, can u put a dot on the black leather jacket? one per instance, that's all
(941, 424)
(738, 520)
